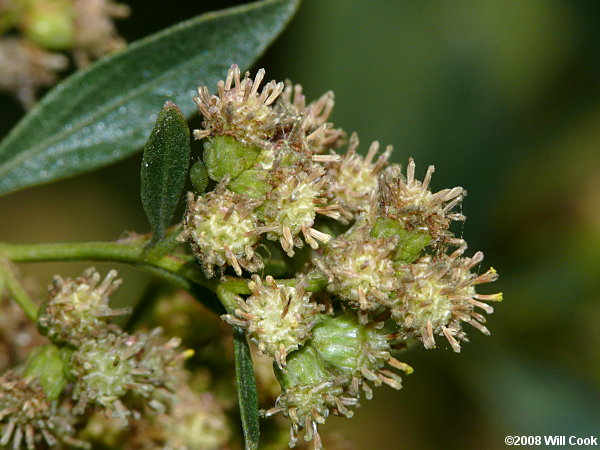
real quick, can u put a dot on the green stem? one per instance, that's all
(124, 252)
(18, 293)
(180, 269)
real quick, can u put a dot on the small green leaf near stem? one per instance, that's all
(164, 168)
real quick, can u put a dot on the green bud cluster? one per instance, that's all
(390, 269)
(108, 369)
(264, 149)
(96, 363)
(310, 393)
(331, 371)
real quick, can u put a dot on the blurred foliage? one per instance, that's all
(504, 98)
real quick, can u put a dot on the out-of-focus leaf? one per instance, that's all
(105, 113)
(246, 387)
(164, 168)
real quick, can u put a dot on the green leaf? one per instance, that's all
(104, 113)
(246, 386)
(164, 168)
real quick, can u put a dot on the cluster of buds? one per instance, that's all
(93, 366)
(389, 267)
(107, 363)
(48, 28)
(119, 368)
(264, 148)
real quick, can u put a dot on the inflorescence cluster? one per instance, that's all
(388, 267)
(349, 258)
(94, 379)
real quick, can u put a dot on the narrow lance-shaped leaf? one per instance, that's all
(244, 375)
(246, 387)
(105, 113)
(164, 168)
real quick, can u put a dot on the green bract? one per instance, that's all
(46, 365)
(225, 157)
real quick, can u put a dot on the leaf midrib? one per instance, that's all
(111, 105)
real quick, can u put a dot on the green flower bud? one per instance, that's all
(46, 365)
(226, 157)
(50, 23)
(357, 351)
(310, 394)
(199, 177)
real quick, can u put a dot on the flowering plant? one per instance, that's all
(329, 262)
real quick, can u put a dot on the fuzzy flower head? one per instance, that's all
(106, 370)
(221, 227)
(291, 207)
(410, 202)
(78, 309)
(360, 271)
(440, 295)
(196, 421)
(310, 394)
(95, 31)
(278, 318)
(355, 179)
(239, 110)
(358, 351)
(315, 128)
(28, 418)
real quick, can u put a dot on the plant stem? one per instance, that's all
(180, 269)
(18, 293)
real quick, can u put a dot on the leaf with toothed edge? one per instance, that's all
(104, 113)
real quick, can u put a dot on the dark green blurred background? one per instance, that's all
(503, 96)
